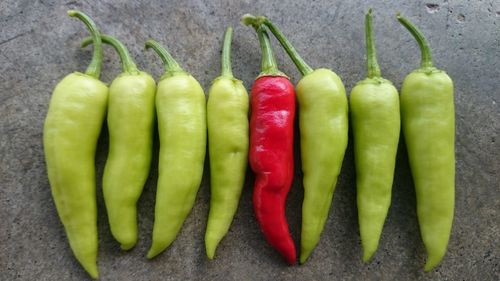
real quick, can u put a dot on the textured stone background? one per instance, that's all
(39, 44)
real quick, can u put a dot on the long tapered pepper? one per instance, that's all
(374, 105)
(227, 123)
(182, 128)
(271, 148)
(131, 113)
(72, 126)
(323, 123)
(428, 122)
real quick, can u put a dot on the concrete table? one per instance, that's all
(39, 44)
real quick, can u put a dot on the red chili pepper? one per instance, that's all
(271, 149)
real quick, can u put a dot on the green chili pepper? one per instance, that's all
(323, 122)
(428, 119)
(71, 130)
(374, 105)
(131, 114)
(182, 126)
(227, 120)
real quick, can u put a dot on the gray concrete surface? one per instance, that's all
(39, 44)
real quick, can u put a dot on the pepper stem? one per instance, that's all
(426, 60)
(371, 52)
(94, 68)
(128, 63)
(269, 65)
(303, 67)
(171, 66)
(226, 53)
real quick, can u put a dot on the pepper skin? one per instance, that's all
(271, 148)
(227, 122)
(131, 114)
(428, 121)
(376, 124)
(71, 130)
(323, 122)
(182, 128)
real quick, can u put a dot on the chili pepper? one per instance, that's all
(271, 147)
(227, 120)
(182, 128)
(376, 125)
(428, 119)
(71, 130)
(131, 114)
(323, 123)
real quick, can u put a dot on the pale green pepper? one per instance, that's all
(428, 121)
(182, 128)
(374, 106)
(71, 130)
(131, 115)
(227, 120)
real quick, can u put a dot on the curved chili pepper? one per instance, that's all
(131, 113)
(182, 128)
(374, 104)
(323, 123)
(227, 122)
(72, 126)
(428, 119)
(271, 148)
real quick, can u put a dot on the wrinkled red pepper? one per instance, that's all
(271, 149)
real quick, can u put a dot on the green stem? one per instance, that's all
(303, 67)
(94, 68)
(171, 66)
(426, 60)
(128, 63)
(269, 65)
(371, 52)
(226, 53)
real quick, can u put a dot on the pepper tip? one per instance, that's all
(428, 267)
(127, 246)
(154, 251)
(150, 255)
(94, 275)
(92, 271)
(210, 249)
(367, 256)
(431, 263)
(290, 257)
(302, 259)
(291, 261)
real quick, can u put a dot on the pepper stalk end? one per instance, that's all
(94, 68)
(72, 13)
(255, 21)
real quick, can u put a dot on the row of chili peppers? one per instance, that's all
(80, 102)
